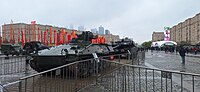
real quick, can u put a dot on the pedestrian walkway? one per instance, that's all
(193, 55)
(172, 61)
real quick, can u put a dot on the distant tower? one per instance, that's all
(81, 28)
(0, 32)
(107, 32)
(94, 30)
(101, 30)
(71, 26)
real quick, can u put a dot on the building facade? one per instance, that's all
(101, 30)
(187, 32)
(107, 32)
(81, 28)
(111, 38)
(19, 33)
(94, 31)
(157, 36)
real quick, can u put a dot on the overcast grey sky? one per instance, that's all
(132, 18)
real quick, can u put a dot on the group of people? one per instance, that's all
(178, 49)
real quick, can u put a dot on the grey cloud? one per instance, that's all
(134, 18)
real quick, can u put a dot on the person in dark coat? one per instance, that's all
(182, 54)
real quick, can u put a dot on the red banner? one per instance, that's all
(23, 37)
(103, 40)
(18, 35)
(98, 39)
(51, 35)
(61, 37)
(25, 40)
(45, 38)
(4, 33)
(11, 34)
(69, 38)
(39, 34)
(55, 38)
(29, 39)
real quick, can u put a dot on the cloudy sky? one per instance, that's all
(132, 18)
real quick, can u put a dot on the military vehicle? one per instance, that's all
(123, 46)
(32, 46)
(10, 49)
(79, 48)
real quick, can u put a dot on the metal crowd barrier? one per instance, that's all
(104, 75)
(2, 89)
(12, 68)
(11, 65)
(68, 78)
(72, 77)
(133, 78)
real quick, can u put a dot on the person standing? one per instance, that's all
(182, 54)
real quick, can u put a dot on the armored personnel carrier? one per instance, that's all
(79, 48)
(123, 46)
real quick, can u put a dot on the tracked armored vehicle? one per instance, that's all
(123, 46)
(79, 48)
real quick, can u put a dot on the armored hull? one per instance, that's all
(64, 54)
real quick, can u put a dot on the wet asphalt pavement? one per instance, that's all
(172, 61)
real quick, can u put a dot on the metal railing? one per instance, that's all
(72, 77)
(108, 76)
(12, 68)
(10, 65)
(2, 89)
(68, 78)
(133, 78)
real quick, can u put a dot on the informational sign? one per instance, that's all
(167, 34)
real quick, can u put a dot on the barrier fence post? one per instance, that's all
(137, 58)
(1, 88)
(129, 56)
(96, 61)
(76, 77)
(26, 67)
(119, 58)
(20, 86)
(125, 83)
(28, 58)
